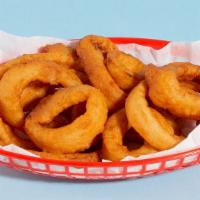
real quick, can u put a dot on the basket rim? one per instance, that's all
(158, 159)
(151, 42)
(154, 43)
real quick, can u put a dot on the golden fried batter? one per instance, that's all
(126, 70)
(76, 136)
(80, 157)
(115, 129)
(92, 51)
(148, 122)
(11, 88)
(8, 137)
(58, 53)
(167, 92)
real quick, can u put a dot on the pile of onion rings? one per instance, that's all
(92, 101)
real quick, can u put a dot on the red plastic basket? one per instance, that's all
(106, 170)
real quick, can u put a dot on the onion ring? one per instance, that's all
(58, 53)
(126, 70)
(59, 48)
(115, 129)
(156, 130)
(92, 50)
(11, 88)
(32, 92)
(78, 135)
(166, 92)
(190, 85)
(80, 157)
(8, 137)
(82, 76)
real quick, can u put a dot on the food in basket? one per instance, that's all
(81, 157)
(57, 53)
(113, 134)
(166, 92)
(7, 136)
(158, 130)
(92, 101)
(34, 91)
(18, 77)
(126, 70)
(92, 50)
(109, 69)
(76, 136)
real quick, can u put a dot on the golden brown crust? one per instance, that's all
(8, 137)
(126, 70)
(65, 54)
(156, 130)
(91, 50)
(58, 53)
(33, 92)
(80, 157)
(115, 129)
(83, 77)
(78, 135)
(11, 89)
(166, 92)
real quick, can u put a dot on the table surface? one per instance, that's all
(171, 20)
